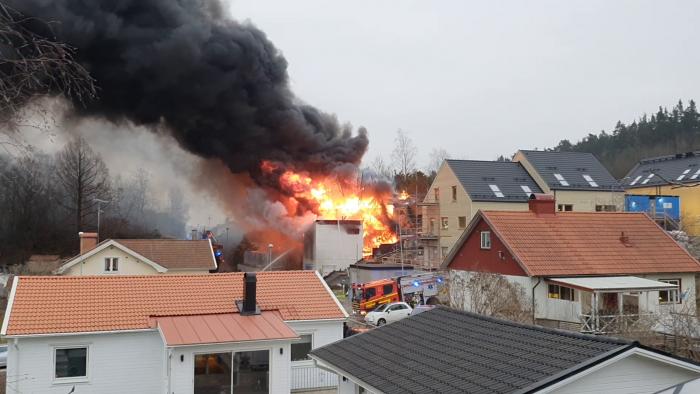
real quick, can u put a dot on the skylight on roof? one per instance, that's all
(590, 180)
(681, 176)
(647, 179)
(526, 189)
(695, 176)
(496, 191)
(634, 182)
(561, 179)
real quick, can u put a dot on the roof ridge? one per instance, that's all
(159, 277)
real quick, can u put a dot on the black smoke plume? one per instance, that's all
(219, 86)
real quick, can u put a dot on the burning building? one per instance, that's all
(221, 90)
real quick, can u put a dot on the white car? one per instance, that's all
(3, 356)
(388, 313)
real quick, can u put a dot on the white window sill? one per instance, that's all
(60, 381)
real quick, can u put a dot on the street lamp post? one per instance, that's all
(269, 254)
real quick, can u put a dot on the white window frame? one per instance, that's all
(485, 240)
(677, 292)
(110, 264)
(308, 360)
(559, 292)
(561, 179)
(71, 379)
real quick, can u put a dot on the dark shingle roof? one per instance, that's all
(665, 168)
(448, 351)
(476, 177)
(572, 166)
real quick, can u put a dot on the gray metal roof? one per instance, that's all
(477, 176)
(573, 167)
(665, 170)
(448, 351)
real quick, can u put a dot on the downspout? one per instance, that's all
(17, 367)
(539, 279)
(168, 368)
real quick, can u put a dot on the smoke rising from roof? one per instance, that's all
(219, 86)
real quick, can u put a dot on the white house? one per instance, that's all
(170, 334)
(593, 271)
(140, 257)
(449, 351)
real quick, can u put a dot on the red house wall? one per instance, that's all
(470, 256)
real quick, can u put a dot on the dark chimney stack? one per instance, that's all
(249, 305)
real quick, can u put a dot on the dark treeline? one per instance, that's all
(663, 133)
(45, 200)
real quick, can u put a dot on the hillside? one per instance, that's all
(663, 133)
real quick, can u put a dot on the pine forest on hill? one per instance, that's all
(666, 132)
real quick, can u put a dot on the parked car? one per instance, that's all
(388, 313)
(3, 356)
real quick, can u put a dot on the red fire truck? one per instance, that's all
(367, 296)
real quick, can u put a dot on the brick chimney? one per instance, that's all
(88, 241)
(541, 204)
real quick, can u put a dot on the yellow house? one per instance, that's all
(459, 190)
(578, 180)
(675, 175)
(140, 257)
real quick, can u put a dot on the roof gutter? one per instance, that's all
(344, 375)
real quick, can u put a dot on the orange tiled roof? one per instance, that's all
(173, 253)
(64, 304)
(588, 243)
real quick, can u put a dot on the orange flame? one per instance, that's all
(403, 196)
(331, 201)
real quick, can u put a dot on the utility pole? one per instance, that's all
(99, 210)
(269, 253)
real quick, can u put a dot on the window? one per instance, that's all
(561, 293)
(70, 362)
(526, 189)
(485, 240)
(636, 180)
(590, 180)
(240, 372)
(647, 179)
(681, 176)
(387, 289)
(605, 208)
(302, 347)
(444, 251)
(397, 307)
(565, 207)
(444, 223)
(462, 221)
(496, 191)
(437, 194)
(370, 293)
(670, 296)
(454, 193)
(111, 264)
(561, 179)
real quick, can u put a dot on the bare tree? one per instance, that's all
(84, 177)
(33, 66)
(489, 294)
(404, 153)
(381, 168)
(437, 156)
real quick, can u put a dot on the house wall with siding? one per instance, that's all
(304, 374)
(452, 209)
(128, 265)
(634, 374)
(117, 363)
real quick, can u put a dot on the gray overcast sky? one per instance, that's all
(483, 79)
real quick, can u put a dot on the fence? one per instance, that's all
(310, 377)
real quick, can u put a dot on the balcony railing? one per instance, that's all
(612, 324)
(310, 377)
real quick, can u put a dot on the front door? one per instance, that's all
(232, 373)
